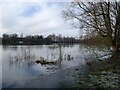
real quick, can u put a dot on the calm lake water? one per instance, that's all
(19, 68)
(0, 66)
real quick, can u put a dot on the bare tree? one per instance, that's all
(102, 18)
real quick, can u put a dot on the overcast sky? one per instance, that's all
(32, 17)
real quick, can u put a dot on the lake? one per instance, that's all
(20, 70)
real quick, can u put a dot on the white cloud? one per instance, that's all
(18, 1)
(0, 20)
(45, 20)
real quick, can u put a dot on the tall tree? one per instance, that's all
(101, 17)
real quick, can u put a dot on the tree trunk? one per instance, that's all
(116, 42)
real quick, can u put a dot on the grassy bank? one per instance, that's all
(106, 75)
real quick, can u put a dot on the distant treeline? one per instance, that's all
(0, 40)
(14, 39)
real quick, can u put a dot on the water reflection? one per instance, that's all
(0, 66)
(55, 53)
(24, 55)
(20, 63)
(7, 47)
